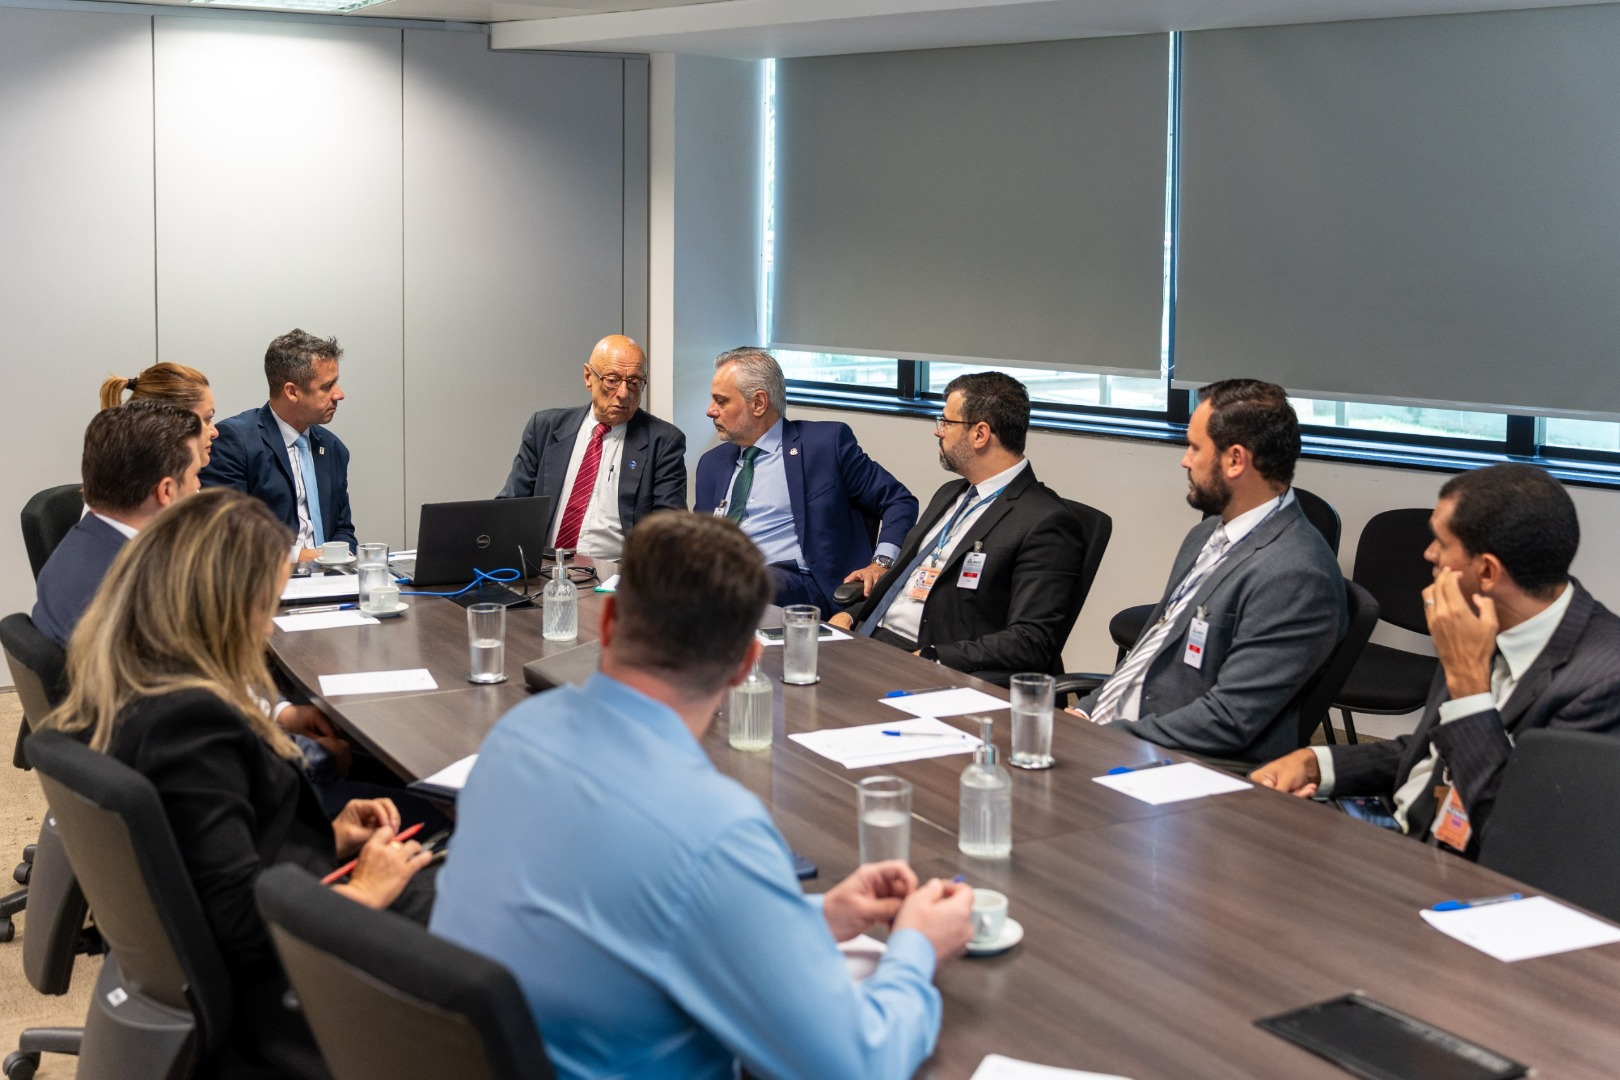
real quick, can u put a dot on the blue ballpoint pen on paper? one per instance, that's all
(1484, 901)
(319, 608)
(930, 734)
(1118, 769)
(921, 690)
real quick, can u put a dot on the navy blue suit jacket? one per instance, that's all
(71, 576)
(250, 455)
(832, 485)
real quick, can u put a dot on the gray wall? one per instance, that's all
(185, 188)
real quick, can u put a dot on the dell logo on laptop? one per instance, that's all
(483, 541)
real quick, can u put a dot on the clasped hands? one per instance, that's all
(383, 867)
(889, 893)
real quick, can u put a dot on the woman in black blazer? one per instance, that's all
(167, 673)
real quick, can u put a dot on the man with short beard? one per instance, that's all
(1255, 602)
(985, 582)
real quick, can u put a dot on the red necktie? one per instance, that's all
(580, 497)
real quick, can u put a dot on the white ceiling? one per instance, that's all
(755, 29)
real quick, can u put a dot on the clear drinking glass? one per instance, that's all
(486, 641)
(371, 564)
(885, 818)
(801, 625)
(1031, 721)
(748, 712)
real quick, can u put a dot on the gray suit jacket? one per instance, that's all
(1574, 684)
(652, 474)
(1276, 609)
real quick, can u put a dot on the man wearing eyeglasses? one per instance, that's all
(602, 476)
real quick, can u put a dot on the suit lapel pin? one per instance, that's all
(793, 452)
(321, 450)
(631, 465)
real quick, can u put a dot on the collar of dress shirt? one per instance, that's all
(129, 531)
(1246, 522)
(289, 434)
(657, 717)
(1521, 645)
(1006, 476)
(770, 442)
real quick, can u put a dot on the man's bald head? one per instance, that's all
(616, 375)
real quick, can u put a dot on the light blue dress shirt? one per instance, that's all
(769, 523)
(648, 908)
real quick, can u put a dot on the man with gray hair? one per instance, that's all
(802, 490)
(282, 454)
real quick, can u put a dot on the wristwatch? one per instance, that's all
(883, 560)
(929, 652)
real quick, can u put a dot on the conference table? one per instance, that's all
(1154, 935)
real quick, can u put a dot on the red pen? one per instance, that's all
(348, 868)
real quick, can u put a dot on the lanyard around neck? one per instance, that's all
(943, 540)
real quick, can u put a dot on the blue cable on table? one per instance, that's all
(481, 577)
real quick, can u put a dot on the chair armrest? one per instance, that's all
(1078, 683)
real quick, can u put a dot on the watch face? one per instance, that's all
(884, 561)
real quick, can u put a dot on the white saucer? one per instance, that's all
(1012, 932)
(335, 562)
(394, 614)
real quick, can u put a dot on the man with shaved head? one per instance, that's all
(605, 475)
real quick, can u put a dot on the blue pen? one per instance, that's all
(1484, 901)
(1118, 769)
(923, 690)
(929, 734)
(319, 608)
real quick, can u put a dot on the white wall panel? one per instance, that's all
(279, 205)
(514, 249)
(75, 244)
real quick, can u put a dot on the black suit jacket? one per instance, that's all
(70, 577)
(250, 455)
(235, 807)
(1020, 615)
(652, 474)
(1573, 684)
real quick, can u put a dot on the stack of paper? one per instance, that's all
(996, 1067)
(864, 747)
(957, 702)
(448, 781)
(1173, 783)
(324, 620)
(1523, 929)
(320, 587)
(377, 682)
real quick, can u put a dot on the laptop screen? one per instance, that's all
(456, 538)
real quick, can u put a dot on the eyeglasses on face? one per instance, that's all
(941, 421)
(611, 383)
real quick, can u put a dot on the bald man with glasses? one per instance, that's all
(605, 465)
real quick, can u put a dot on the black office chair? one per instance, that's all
(1317, 697)
(38, 668)
(56, 936)
(46, 518)
(1390, 565)
(386, 998)
(162, 1004)
(1553, 823)
(1127, 626)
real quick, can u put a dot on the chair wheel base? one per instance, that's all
(21, 1066)
(22, 873)
(8, 930)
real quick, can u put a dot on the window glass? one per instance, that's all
(1057, 387)
(1581, 434)
(1401, 419)
(864, 371)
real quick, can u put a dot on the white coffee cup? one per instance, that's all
(384, 598)
(989, 915)
(334, 551)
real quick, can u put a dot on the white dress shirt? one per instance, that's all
(904, 616)
(1516, 650)
(601, 535)
(128, 530)
(306, 529)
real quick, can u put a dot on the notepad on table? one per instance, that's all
(324, 620)
(866, 746)
(448, 781)
(996, 1067)
(957, 702)
(377, 682)
(1173, 783)
(320, 587)
(1523, 929)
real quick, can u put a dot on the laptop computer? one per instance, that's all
(454, 539)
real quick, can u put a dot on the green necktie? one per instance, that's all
(737, 505)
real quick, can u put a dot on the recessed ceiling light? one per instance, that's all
(329, 7)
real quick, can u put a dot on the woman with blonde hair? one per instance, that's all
(175, 383)
(166, 673)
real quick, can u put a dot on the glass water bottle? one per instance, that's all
(985, 825)
(748, 712)
(561, 606)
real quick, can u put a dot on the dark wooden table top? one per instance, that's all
(1155, 936)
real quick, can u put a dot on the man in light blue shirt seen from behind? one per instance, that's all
(645, 902)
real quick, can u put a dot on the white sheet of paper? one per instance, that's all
(452, 776)
(866, 746)
(828, 634)
(1173, 783)
(377, 682)
(956, 702)
(996, 1067)
(862, 954)
(324, 620)
(321, 587)
(1523, 929)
